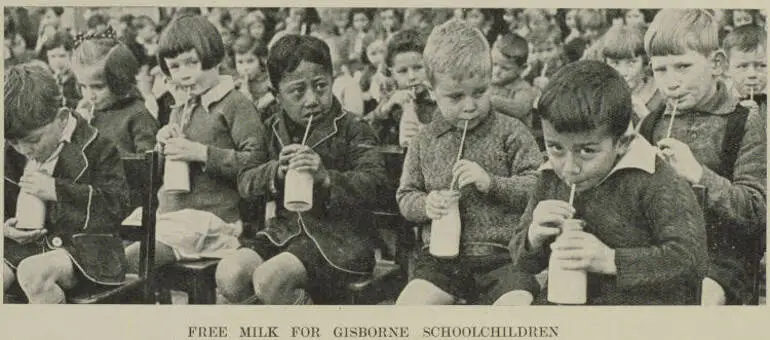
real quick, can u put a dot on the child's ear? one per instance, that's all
(719, 62)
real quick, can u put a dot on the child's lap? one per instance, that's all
(480, 279)
(324, 280)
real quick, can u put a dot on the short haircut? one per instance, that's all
(404, 41)
(586, 95)
(748, 38)
(551, 35)
(512, 47)
(675, 31)
(32, 99)
(60, 39)
(623, 42)
(458, 50)
(118, 62)
(191, 32)
(290, 50)
(57, 10)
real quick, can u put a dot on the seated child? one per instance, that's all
(495, 176)
(746, 51)
(57, 52)
(106, 73)
(548, 51)
(216, 131)
(510, 94)
(56, 157)
(404, 112)
(250, 56)
(309, 256)
(623, 49)
(714, 142)
(644, 240)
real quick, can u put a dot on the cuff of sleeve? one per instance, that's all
(527, 258)
(714, 183)
(624, 258)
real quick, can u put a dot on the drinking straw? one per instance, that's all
(751, 93)
(572, 194)
(671, 122)
(545, 68)
(460, 152)
(307, 130)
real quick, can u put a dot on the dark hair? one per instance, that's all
(96, 20)
(185, 11)
(60, 39)
(747, 38)
(404, 41)
(189, 32)
(143, 21)
(32, 99)
(586, 95)
(513, 47)
(356, 10)
(57, 10)
(290, 50)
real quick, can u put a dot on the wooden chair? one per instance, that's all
(196, 278)
(142, 173)
(392, 256)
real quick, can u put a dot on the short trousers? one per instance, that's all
(477, 279)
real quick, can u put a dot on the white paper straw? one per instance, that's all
(459, 153)
(307, 130)
(572, 194)
(671, 122)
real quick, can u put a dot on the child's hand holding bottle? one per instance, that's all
(436, 205)
(468, 172)
(547, 219)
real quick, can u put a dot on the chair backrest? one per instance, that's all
(144, 179)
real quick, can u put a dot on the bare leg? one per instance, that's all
(163, 256)
(8, 277)
(45, 277)
(422, 292)
(234, 275)
(280, 279)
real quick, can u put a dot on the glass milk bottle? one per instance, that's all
(176, 177)
(568, 287)
(298, 191)
(409, 124)
(30, 211)
(445, 232)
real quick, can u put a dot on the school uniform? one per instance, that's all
(92, 199)
(226, 122)
(736, 208)
(643, 211)
(505, 149)
(335, 239)
(128, 123)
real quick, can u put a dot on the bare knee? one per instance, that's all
(233, 274)
(8, 277)
(35, 274)
(276, 280)
(422, 292)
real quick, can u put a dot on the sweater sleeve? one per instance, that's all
(678, 231)
(246, 132)
(411, 192)
(742, 201)
(519, 106)
(524, 159)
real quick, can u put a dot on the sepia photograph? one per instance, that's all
(334, 156)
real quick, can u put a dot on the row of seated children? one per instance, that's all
(293, 257)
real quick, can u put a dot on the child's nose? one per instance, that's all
(571, 165)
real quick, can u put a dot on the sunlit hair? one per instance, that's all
(118, 64)
(32, 99)
(623, 42)
(676, 31)
(458, 50)
(584, 96)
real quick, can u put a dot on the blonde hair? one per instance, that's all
(675, 31)
(456, 49)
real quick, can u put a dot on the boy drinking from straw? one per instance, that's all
(714, 142)
(494, 175)
(643, 240)
(310, 256)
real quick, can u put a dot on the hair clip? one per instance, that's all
(108, 33)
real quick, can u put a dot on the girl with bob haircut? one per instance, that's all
(214, 129)
(106, 72)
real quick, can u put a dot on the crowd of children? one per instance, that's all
(623, 111)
